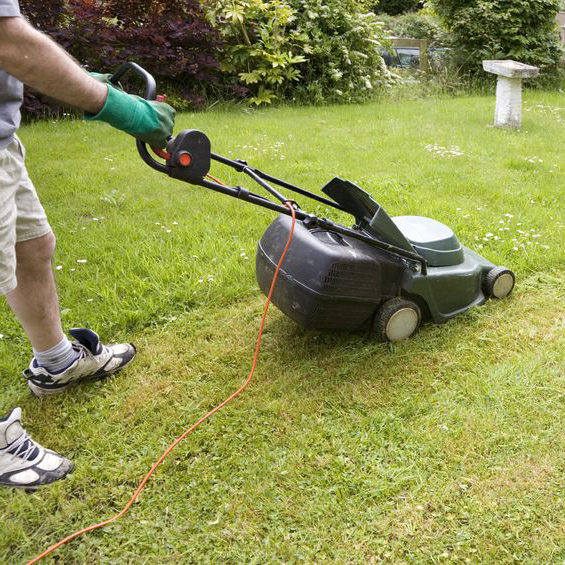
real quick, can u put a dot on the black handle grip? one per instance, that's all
(150, 85)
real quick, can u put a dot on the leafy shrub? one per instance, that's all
(260, 50)
(343, 42)
(306, 50)
(396, 7)
(417, 25)
(502, 29)
(170, 38)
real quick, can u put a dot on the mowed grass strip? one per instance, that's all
(446, 447)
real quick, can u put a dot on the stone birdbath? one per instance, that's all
(508, 112)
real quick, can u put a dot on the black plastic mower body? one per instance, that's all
(328, 280)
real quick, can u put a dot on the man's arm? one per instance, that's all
(35, 60)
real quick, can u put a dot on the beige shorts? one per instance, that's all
(21, 214)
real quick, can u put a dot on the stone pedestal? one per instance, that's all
(510, 74)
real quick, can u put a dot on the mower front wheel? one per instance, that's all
(498, 282)
(398, 318)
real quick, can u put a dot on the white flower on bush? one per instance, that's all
(336, 75)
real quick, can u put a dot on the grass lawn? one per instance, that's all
(447, 447)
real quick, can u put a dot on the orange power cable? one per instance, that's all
(194, 426)
(215, 179)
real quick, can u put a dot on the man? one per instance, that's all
(27, 243)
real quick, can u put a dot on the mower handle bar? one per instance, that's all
(150, 85)
(259, 177)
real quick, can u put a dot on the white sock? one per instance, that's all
(57, 358)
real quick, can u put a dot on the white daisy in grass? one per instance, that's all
(441, 151)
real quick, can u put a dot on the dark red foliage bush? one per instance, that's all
(170, 38)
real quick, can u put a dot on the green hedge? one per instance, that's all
(418, 25)
(397, 7)
(524, 30)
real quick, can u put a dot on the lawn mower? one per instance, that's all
(387, 273)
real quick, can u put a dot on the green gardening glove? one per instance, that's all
(147, 120)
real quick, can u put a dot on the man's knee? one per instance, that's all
(34, 253)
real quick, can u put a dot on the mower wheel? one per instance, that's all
(398, 318)
(498, 282)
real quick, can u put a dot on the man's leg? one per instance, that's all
(23, 462)
(57, 363)
(34, 301)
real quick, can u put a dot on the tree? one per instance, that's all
(523, 30)
(396, 7)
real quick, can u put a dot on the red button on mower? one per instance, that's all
(184, 158)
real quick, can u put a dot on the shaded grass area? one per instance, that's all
(447, 447)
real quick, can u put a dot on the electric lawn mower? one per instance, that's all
(390, 273)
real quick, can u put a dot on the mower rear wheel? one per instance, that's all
(398, 318)
(498, 282)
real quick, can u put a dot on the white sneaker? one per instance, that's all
(23, 462)
(94, 361)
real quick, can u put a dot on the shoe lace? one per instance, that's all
(81, 350)
(24, 447)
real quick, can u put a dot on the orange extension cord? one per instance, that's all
(194, 426)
